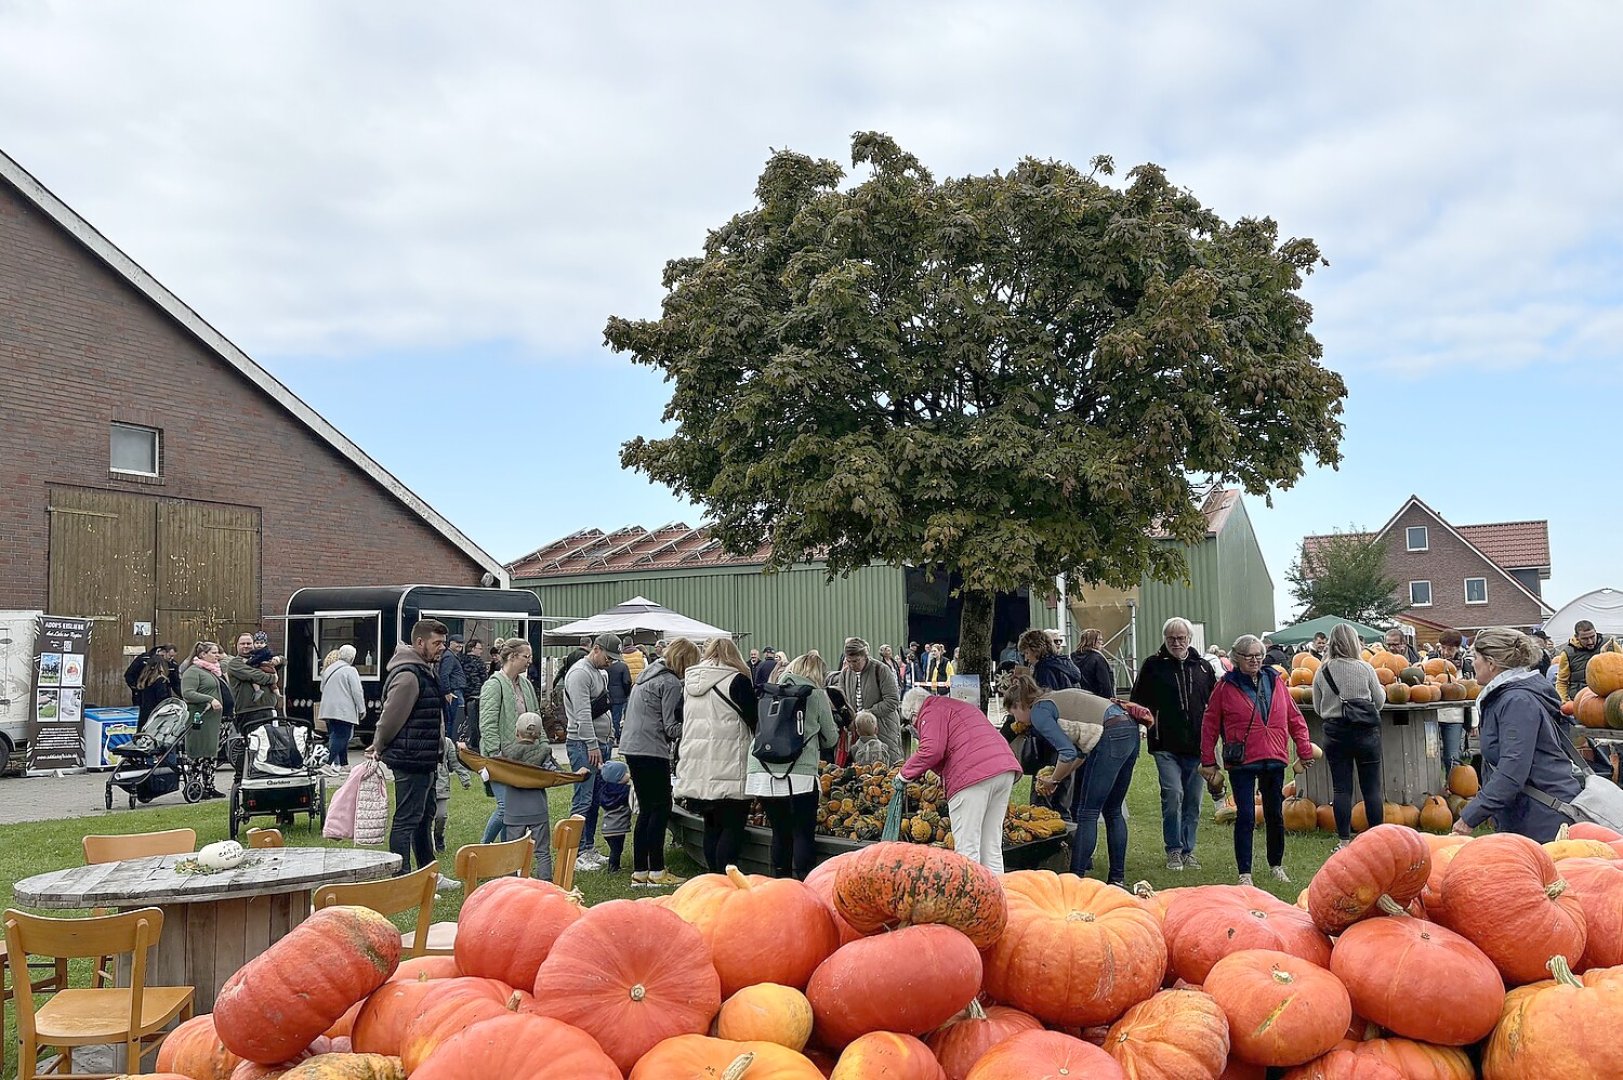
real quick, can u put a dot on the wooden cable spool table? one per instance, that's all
(213, 923)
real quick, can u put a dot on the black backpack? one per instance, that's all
(780, 730)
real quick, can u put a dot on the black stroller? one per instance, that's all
(280, 774)
(154, 763)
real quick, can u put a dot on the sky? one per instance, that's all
(431, 210)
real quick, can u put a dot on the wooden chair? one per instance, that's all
(50, 981)
(265, 838)
(390, 897)
(475, 865)
(134, 1015)
(105, 849)
(565, 850)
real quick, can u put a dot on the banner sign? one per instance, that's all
(61, 646)
(966, 688)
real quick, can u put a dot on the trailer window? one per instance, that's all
(365, 632)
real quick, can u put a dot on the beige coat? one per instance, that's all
(713, 758)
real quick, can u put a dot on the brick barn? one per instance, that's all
(124, 426)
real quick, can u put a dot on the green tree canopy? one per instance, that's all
(1344, 574)
(1012, 375)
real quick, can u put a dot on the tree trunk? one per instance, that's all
(975, 640)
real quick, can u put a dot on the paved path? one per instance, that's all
(72, 795)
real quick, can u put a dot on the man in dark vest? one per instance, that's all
(410, 728)
(1572, 662)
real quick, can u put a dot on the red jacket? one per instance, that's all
(1231, 712)
(959, 744)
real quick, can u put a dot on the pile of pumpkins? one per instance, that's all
(1405, 683)
(1600, 703)
(1435, 814)
(1444, 958)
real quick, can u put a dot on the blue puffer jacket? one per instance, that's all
(1521, 721)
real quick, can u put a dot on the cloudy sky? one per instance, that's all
(431, 209)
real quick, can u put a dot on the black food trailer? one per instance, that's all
(375, 619)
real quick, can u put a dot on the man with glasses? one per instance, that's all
(1572, 662)
(1175, 684)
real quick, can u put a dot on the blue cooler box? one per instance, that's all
(105, 728)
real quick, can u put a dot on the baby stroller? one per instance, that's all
(280, 774)
(154, 763)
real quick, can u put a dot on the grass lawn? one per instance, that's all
(36, 847)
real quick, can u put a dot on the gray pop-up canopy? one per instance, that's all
(637, 617)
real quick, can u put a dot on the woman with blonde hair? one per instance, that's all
(651, 730)
(341, 706)
(506, 695)
(1348, 697)
(1528, 761)
(718, 725)
(789, 793)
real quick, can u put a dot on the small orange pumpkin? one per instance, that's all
(698, 1057)
(887, 1054)
(766, 1012)
(1282, 1010)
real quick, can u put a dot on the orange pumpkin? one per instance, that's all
(517, 1046)
(1566, 1027)
(1589, 708)
(1604, 674)
(1208, 923)
(1301, 676)
(451, 1006)
(1033, 1054)
(1325, 818)
(347, 1067)
(1300, 814)
(1568, 848)
(1462, 781)
(194, 1049)
(766, 1012)
(1431, 897)
(1435, 816)
(1386, 676)
(888, 1055)
(280, 1001)
(1419, 980)
(821, 882)
(1076, 951)
(381, 1024)
(1587, 830)
(1598, 885)
(966, 1038)
(1381, 870)
(1341, 1064)
(426, 967)
(630, 975)
(1504, 893)
(698, 1057)
(1174, 1035)
(897, 884)
(486, 945)
(1306, 660)
(759, 929)
(1282, 1010)
(344, 1026)
(1397, 694)
(910, 981)
(1417, 1060)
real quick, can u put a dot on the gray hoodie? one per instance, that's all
(583, 683)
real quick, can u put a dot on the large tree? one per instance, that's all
(1344, 574)
(1010, 376)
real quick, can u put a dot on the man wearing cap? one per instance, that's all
(872, 686)
(589, 736)
(453, 680)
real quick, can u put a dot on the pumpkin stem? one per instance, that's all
(1562, 833)
(975, 1010)
(1563, 971)
(1390, 906)
(638, 992)
(1284, 978)
(738, 878)
(514, 1002)
(1143, 890)
(1557, 887)
(739, 1067)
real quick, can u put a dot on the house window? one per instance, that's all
(134, 450)
(1476, 590)
(1417, 538)
(1420, 594)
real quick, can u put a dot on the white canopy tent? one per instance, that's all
(1603, 607)
(637, 617)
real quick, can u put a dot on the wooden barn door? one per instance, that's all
(207, 573)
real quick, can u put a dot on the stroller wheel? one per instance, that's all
(192, 791)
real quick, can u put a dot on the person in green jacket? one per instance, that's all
(790, 799)
(200, 689)
(506, 696)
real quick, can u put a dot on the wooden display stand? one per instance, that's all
(1411, 753)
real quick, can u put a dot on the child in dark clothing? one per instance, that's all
(614, 809)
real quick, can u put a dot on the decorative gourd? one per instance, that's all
(698, 1057)
(759, 929)
(766, 1012)
(966, 1038)
(1381, 870)
(1033, 1054)
(194, 1049)
(909, 981)
(1564, 1028)
(486, 944)
(1344, 1064)
(426, 967)
(1604, 673)
(451, 1006)
(1282, 1010)
(278, 1002)
(1504, 893)
(1420, 980)
(889, 1055)
(518, 1046)
(1412, 676)
(1076, 951)
(1589, 708)
(1300, 814)
(897, 884)
(821, 882)
(630, 975)
(1208, 923)
(1175, 1035)
(347, 1067)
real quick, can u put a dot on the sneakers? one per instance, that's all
(1339, 845)
(1245, 879)
(1175, 861)
(590, 860)
(446, 884)
(334, 770)
(665, 880)
(1279, 874)
(1190, 862)
(639, 879)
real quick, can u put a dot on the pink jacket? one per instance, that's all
(960, 744)
(1230, 714)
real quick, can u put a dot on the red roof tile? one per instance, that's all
(1512, 545)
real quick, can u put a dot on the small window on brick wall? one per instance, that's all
(1417, 538)
(1476, 590)
(1420, 594)
(135, 450)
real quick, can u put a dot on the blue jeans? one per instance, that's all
(584, 800)
(1452, 735)
(1267, 777)
(339, 733)
(1181, 786)
(497, 823)
(1102, 791)
(617, 713)
(453, 713)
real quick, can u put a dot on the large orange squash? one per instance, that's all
(1589, 708)
(252, 1070)
(1417, 1060)
(1076, 952)
(766, 1012)
(516, 1046)
(449, 1007)
(278, 1002)
(346, 1067)
(1176, 1035)
(486, 942)
(759, 929)
(887, 1055)
(966, 1038)
(896, 884)
(1598, 885)
(1431, 897)
(821, 882)
(1503, 892)
(1381, 870)
(1281, 1009)
(1208, 923)
(1604, 675)
(697, 1057)
(1037, 1055)
(1562, 1028)
(1588, 830)
(630, 975)
(195, 1050)
(1343, 1064)
(426, 967)
(1419, 980)
(381, 1024)
(909, 981)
